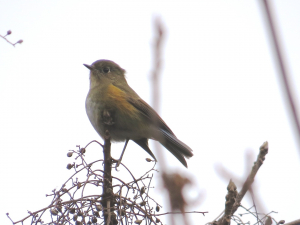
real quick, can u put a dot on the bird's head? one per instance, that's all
(105, 71)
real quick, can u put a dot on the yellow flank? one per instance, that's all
(119, 97)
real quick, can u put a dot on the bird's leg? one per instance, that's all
(120, 159)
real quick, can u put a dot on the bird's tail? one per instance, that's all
(175, 146)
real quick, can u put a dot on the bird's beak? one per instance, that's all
(88, 66)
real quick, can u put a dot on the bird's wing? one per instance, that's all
(144, 108)
(149, 112)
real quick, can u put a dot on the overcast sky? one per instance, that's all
(221, 93)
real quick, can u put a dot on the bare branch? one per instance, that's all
(9, 33)
(230, 199)
(233, 200)
(295, 222)
(263, 150)
(282, 68)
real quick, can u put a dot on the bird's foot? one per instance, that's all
(118, 162)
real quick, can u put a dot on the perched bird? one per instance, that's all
(112, 105)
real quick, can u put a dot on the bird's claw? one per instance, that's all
(118, 162)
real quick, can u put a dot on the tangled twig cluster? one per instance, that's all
(96, 199)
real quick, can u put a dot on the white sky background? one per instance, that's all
(221, 94)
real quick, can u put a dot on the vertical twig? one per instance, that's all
(156, 72)
(107, 195)
(282, 68)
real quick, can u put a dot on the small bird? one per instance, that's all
(112, 105)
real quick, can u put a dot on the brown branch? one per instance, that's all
(157, 63)
(263, 150)
(167, 213)
(225, 219)
(230, 199)
(155, 80)
(295, 222)
(107, 195)
(282, 68)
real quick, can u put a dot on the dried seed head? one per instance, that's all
(82, 150)
(8, 32)
(69, 166)
(157, 208)
(94, 220)
(138, 221)
(54, 212)
(96, 214)
(98, 207)
(143, 189)
(72, 210)
(70, 154)
(143, 203)
(75, 217)
(148, 160)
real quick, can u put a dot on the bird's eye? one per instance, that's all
(106, 69)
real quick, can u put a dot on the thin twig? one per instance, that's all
(282, 68)
(263, 150)
(13, 44)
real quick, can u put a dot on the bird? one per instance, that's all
(111, 104)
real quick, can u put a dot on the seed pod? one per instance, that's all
(138, 221)
(69, 166)
(54, 212)
(70, 154)
(94, 220)
(143, 189)
(143, 203)
(96, 214)
(75, 217)
(157, 208)
(72, 210)
(98, 207)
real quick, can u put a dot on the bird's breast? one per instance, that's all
(126, 121)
